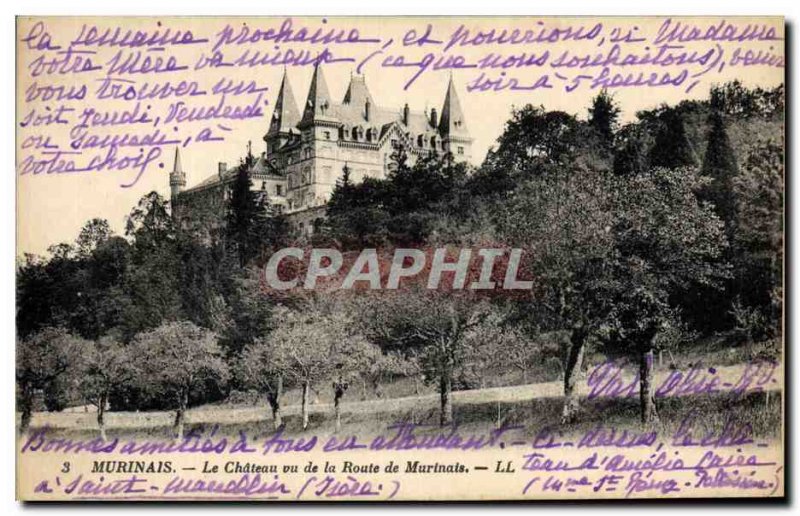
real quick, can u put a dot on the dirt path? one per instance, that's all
(729, 376)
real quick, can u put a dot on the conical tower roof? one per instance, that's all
(318, 101)
(177, 167)
(285, 115)
(452, 121)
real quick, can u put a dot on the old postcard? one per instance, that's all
(399, 258)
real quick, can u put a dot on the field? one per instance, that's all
(533, 406)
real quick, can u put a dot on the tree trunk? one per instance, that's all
(524, 376)
(338, 392)
(363, 389)
(646, 391)
(274, 399)
(101, 412)
(304, 410)
(275, 406)
(445, 389)
(180, 414)
(572, 370)
(26, 407)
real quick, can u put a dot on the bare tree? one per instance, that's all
(106, 366)
(42, 359)
(319, 341)
(177, 358)
(351, 358)
(506, 344)
(261, 369)
(434, 323)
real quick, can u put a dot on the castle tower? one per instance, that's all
(358, 95)
(453, 127)
(177, 178)
(318, 104)
(285, 117)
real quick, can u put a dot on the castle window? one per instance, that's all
(394, 144)
(420, 141)
(263, 185)
(278, 190)
(307, 153)
(433, 142)
(460, 149)
(327, 135)
(355, 133)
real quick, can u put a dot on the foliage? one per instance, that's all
(603, 116)
(534, 142)
(401, 209)
(176, 360)
(720, 165)
(434, 327)
(672, 148)
(666, 240)
(247, 213)
(42, 359)
(733, 98)
(106, 365)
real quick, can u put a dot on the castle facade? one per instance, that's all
(307, 148)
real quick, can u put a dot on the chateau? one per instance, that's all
(307, 148)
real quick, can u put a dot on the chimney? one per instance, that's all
(405, 114)
(221, 168)
(366, 110)
(434, 121)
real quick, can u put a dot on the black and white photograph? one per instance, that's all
(400, 258)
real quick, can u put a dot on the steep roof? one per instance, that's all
(261, 168)
(352, 112)
(452, 122)
(177, 167)
(318, 102)
(285, 116)
(357, 92)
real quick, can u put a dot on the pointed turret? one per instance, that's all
(177, 178)
(318, 102)
(285, 116)
(452, 123)
(358, 95)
